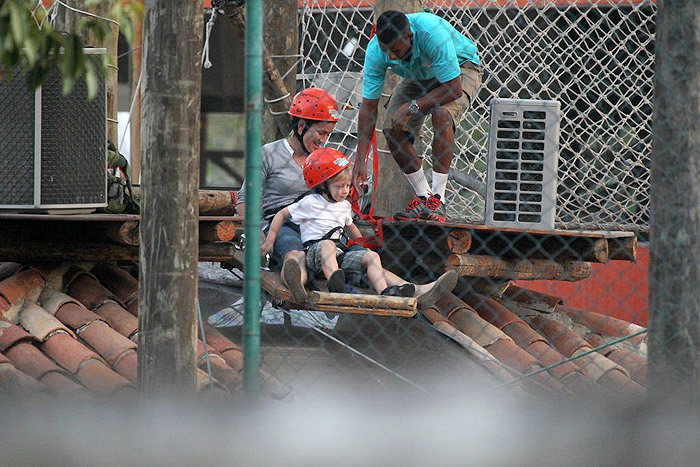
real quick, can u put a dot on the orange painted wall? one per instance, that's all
(619, 289)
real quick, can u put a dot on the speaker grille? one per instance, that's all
(522, 163)
(72, 144)
(16, 141)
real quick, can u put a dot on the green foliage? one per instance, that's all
(42, 50)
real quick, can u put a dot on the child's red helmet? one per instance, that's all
(322, 164)
(315, 104)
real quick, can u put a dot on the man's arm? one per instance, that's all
(441, 95)
(366, 122)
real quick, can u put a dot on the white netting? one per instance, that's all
(595, 58)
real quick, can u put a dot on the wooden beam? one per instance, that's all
(47, 251)
(489, 266)
(623, 248)
(223, 231)
(459, 241)
(211, 202)
(126, 233)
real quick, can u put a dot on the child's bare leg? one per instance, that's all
(375, 271)
(329, 258)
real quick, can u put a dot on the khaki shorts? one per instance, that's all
(407, 90)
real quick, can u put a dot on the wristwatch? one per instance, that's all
(413, 107)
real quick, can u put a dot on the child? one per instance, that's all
(324, 217)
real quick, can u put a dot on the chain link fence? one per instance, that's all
(542, 305)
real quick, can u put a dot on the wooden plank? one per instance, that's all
(376, 305)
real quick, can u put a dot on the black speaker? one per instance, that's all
(52, 147)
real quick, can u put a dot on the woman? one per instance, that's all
(314, 115)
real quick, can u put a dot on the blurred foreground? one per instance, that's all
(343, 430)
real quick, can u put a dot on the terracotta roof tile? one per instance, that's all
(4, 306)
(31, 360)
(11, 334)
(39, 322)
(217, 340)
(133, 307)
(127, 366)
(62, 384)
(89, 291)
(106, 341)
(225, 374)
(76, 315)
(51, 300)
(595, 365)
(602, 324)
(635, 364)
(68, 352)
(203, 382)
(234, 358)
(97, 377)
(16, 383)
(24, 284)
(118, 318)
(118, 281)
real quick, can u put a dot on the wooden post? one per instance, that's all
(674, 297)
(281, 39)
(171, 89)
(393, 190)
(135, 118)
(273, 85)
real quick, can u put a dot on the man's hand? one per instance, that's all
(359, 175)
(400, 118)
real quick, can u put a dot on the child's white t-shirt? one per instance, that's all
(316, 216)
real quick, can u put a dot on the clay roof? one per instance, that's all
(67, 330)
(73, 330)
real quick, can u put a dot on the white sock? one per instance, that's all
(439, 184)
(419, 183)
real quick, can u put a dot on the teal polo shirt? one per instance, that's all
(438, 51)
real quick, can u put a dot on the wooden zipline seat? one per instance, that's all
(359, 304)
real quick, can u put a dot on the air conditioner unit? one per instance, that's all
(52, 147)
(523, 154)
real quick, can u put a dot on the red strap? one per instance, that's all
(377, 240)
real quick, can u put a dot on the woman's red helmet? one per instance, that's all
(322, 164)
(315, 104)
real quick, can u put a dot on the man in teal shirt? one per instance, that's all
(441, 76)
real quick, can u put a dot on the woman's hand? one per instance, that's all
(266, 247)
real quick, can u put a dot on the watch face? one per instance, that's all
(413, 108)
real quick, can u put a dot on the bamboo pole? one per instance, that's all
(363, 301)
(489, 266)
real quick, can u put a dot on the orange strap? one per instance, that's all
(377, 240)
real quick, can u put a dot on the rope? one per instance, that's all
(204, 341)
(570, 359)
(131, 108)
(277, 99)
(87, 13)
(366, 357)
(210, 25)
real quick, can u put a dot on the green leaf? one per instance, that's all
(67, 84)
(18, 23)
(91, 80)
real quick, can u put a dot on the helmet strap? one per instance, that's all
(323, 190)
(300, 136)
